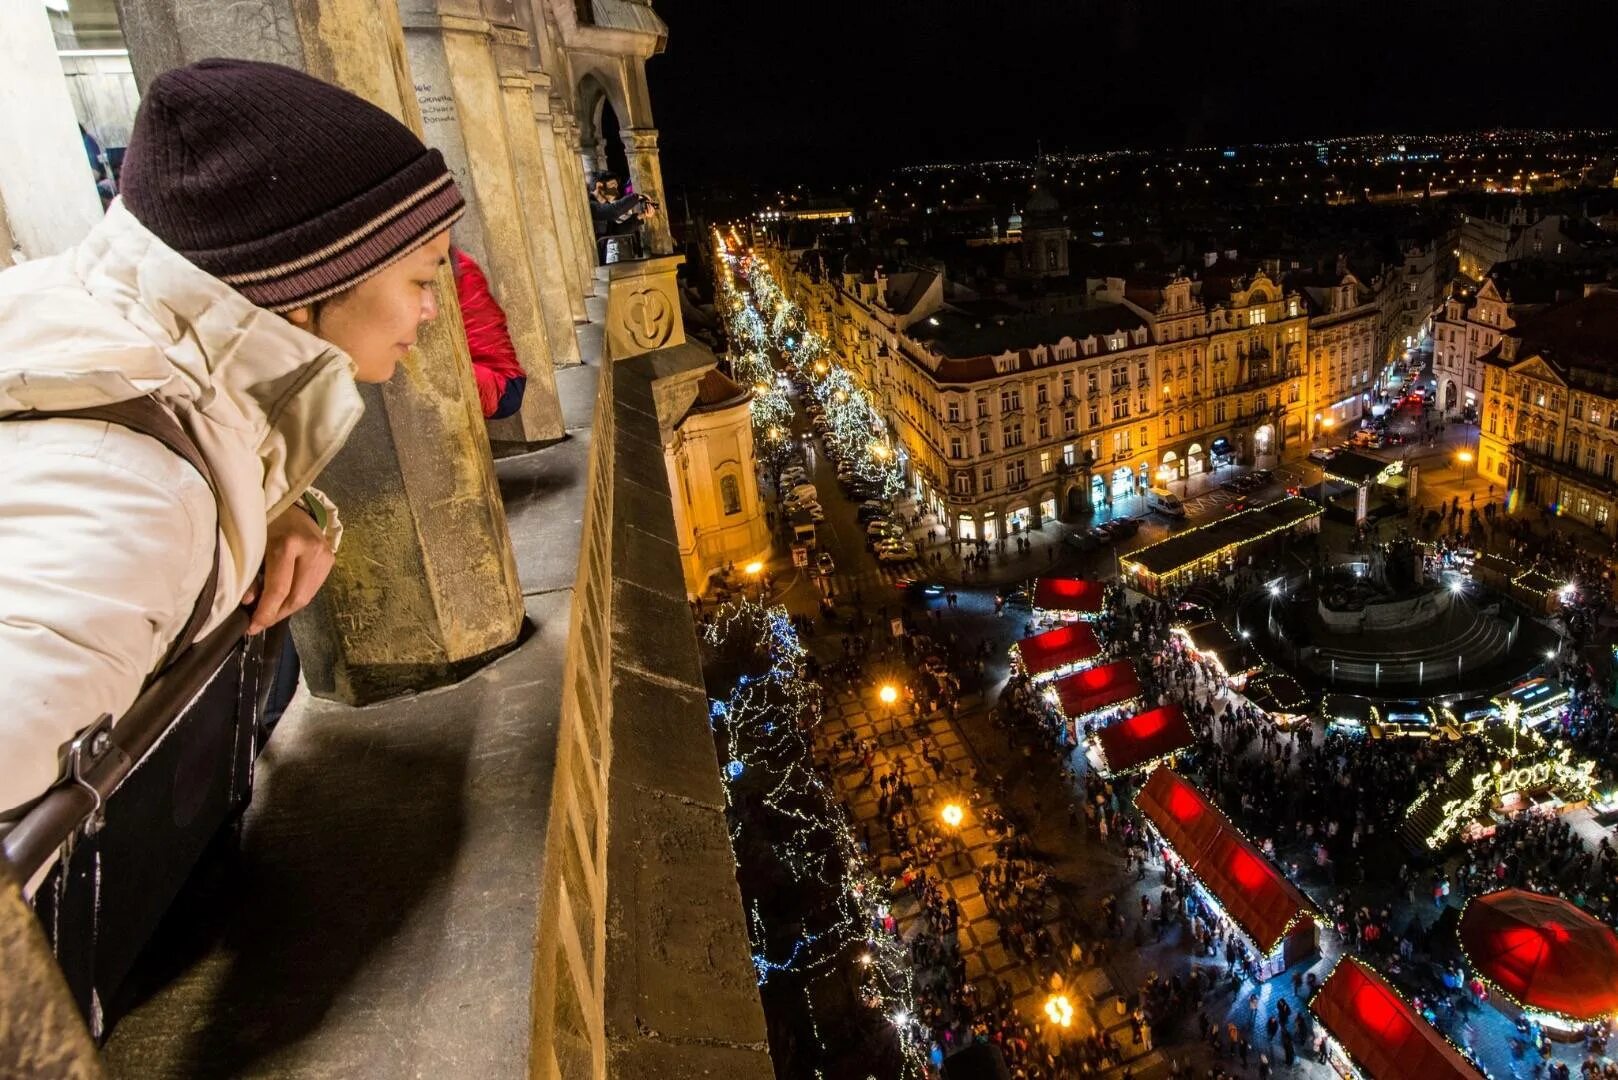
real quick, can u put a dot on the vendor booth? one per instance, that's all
(1544, 957)
(1349, 714)
(1280, 698)
(1216, 548)
(1067, 648)
(1375, 1034)
(1086, 694)
(1213, 642)
(1064, 599)
(1142, 740)
(1271, 917)
(1535, 702)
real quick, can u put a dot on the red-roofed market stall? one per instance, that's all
(1066, 648)
(1377, 1035)
(1548, 956)
(1081, 695)
(1143, 739)
(1068, 599)
(1275, 920)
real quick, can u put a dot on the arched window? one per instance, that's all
(730, 493)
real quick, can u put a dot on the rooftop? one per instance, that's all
(958, 335)
(1193, 545)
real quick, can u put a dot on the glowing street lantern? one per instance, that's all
(1060, 1010)
(754, 569)
(953, 815)
(888, 694)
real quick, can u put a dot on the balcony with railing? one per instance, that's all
(525, 873)
(1530, 454)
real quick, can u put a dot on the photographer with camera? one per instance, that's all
(618, 219)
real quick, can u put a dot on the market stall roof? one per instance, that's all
(1144, 738)
(1097, 688)
(1355, 468)
(1066, 644)
(1213, 638)
(1069, 594)
(1384, 1036)
(1194, 545)
(1349, 708)
(1544, 952)
(1277, 693)
(1249, 887)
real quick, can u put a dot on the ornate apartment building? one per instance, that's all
(1467, 325)
(1007, 418)
(1550, 415)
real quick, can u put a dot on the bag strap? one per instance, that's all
(147, 416)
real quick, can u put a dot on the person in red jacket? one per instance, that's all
(494, 359)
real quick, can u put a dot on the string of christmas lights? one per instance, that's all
(762, 320)
(777, 797)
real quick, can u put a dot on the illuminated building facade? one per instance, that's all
(1550, 414)
(1467, 325)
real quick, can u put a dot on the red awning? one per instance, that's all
(1097, 688)
(1071, 643)
(1543, 951)
(1385, 1037)
(1144, 738)
(1069, 594)
(1247, 885)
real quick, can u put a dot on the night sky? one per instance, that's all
(835, 89)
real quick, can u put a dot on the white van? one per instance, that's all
(1165, 502)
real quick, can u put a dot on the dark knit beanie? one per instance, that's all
(287, 188)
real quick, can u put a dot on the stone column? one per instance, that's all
(462, 112)
(563, 215)
(646, 170)
(425, 588)
(534, 194)
(577, 181)
(48, 197)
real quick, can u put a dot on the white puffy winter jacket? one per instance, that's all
(105, 536)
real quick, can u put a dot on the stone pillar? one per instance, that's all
(462, 113)
(577, 181)
(425, 588)
(534, 193)
(646, 170)
(591, 162)
(643, 306)
(564, 214)
(48, 198)
(41, 1030)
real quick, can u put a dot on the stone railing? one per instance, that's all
(644, 967)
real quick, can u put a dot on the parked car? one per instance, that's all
(1125, 527)
(1165, 502)
(1083, 541)
(826, 564)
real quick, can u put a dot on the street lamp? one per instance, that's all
(952, 815)
(1059, 1010)
(888, 694)
(753, 570)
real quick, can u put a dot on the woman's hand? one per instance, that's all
(297, 559)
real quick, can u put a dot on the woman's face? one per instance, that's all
(376, 321)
